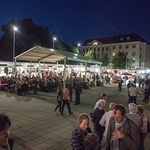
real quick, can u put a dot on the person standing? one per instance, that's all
(143, 128)
(80, 132)
(70, 87)
(103, 96)
(132, 115)
(97, 115)
(65, 99)
(132, 94)
(123, 133)
(106, 117)
(78, 91)
(120, 85)
(59, 98)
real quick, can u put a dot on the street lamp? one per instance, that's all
(79, 44)
(54, 39)
(15, 29)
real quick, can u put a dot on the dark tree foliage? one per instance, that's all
(119, 61)
(28, 35)
(104, 59)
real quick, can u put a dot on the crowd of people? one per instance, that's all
(112, 130)
(116, 129)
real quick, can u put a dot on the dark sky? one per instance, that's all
(77, 20)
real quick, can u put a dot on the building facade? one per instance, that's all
(136, 49)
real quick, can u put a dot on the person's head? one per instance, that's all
(119, 113)
(5, 123)
(103, 96)
(83, 121)
(132, 107)
(91, 142)
(101, 104)
(111, 106)
(140, 109)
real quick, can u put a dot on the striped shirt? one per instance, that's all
(143, 128)
(77, 138)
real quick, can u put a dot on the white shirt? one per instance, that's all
(132, 91)
(105, 120)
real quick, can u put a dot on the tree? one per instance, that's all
(104, 59)
(119, 61)
(90, 54)
(74, 49)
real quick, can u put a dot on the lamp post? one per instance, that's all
(79, 46)
(54, 39)
(15, 29)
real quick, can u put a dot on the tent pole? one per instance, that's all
(57, 68)
(64, 72)
(85, 71)
(100, 69)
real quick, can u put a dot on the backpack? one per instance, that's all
(148, 126)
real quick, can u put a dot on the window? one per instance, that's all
(98, 55)
(113, 54)
(95, 43)
(120, 46)
(121, 39)
(133, 60)
(126, 53)
(94, 49)
(128, 38)
(127, 46)
(106, 48)
(114, 47)
(133, 46)
(87, 50)
(133, 53)
(98, 49)
(102, 48)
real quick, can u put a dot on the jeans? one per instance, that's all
(65, 102)
(142, 139)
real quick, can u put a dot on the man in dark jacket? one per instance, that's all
(78, 91)
(123, 133)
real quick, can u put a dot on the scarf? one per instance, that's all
(117, 126)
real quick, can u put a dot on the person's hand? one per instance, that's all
(117, 135)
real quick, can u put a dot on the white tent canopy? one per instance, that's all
(42, 54)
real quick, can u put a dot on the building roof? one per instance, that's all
(43, 54)
(121, 38)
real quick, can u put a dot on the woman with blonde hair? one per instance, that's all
(80, 132)
(106, 117)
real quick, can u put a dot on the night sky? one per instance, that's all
(77, 20)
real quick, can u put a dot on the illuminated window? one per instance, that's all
(121, 39)
(128, 38)
(113, 54)
(95, 43)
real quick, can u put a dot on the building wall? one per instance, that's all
(138, 51)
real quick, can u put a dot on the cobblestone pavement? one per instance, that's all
(35, 125)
